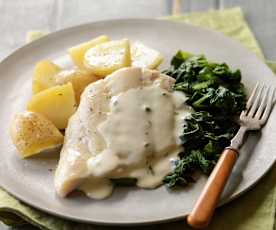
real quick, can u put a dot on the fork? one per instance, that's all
(255, 115)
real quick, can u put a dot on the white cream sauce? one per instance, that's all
(142, 133)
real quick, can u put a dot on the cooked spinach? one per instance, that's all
(216, 94)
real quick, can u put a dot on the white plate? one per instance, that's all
(31, 181)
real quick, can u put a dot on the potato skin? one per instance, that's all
(32, 133)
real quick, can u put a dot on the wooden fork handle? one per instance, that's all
(206, 204)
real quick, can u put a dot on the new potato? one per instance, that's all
(56, 103)
(144, 56)
(44, 75)
(79, 79)
(77, 52)
(47, 74)
(32, 133)
(103, 59)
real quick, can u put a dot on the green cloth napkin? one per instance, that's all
(253, 210)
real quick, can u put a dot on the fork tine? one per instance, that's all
(252, 96)
(263, 103)
(268, 106)
(256, 102)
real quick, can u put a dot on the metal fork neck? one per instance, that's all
(238, 139)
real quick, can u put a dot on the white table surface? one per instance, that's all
(17, 17)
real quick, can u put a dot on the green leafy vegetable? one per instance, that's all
(217, 96)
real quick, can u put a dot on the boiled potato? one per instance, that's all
(103, 59)
(79, 79)
(32, 133)
(57, 104)
(47, 74)
(145, 57)
(77, 52)
(44, 75)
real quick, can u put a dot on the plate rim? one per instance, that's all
(67, 216)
